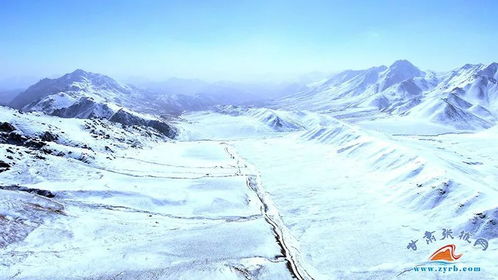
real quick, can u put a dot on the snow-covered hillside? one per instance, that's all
(465, 98)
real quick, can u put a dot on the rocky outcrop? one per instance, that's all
(127, 118)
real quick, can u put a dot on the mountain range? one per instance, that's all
(82, 94)
(466, 97)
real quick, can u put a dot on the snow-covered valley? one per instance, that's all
(353, 198)
(267, 192)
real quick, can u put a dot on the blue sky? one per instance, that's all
(240, 39)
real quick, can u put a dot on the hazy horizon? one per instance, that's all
(239, 41)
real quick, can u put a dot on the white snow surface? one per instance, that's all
(246, 193)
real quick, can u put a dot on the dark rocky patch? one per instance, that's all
(49, 137)
(85, 146)
(6, 127)
(33, 143)
(44, 193)
(52, 152)
(4, 166)
(107, 148)
(129, 119)
(18, 139)
(12, 138)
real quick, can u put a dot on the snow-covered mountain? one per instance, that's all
(82, 94)
(52, 94)
(379, 87)
(465, 98)
(86, 95)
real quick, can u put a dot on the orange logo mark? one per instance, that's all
(445, 253)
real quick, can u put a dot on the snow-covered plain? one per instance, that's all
(243, 194)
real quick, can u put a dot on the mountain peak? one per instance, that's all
(79, 72)
(94, 79)
(404, 65)
(399, 71)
